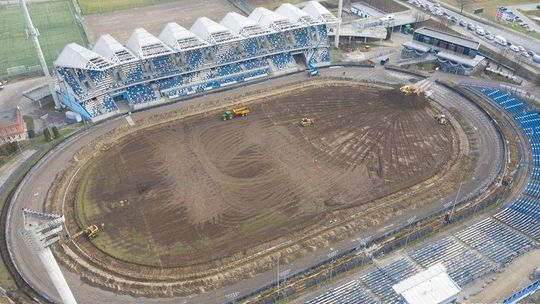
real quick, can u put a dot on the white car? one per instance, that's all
(489, 36)
(525, 54)
(521, 49)
(480, 31)
(514, 48)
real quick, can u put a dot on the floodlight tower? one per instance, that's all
(33, 33)
(41, 230)
(340, 11)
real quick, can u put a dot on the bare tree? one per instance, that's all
(463, 3)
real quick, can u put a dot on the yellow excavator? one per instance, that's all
(90, 232)
(304, 122)
(410, 89)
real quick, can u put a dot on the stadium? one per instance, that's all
(244, 162)
(180, 62)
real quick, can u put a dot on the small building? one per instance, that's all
(431, 286)
(365, 11)
(12, 126)
(455, 54)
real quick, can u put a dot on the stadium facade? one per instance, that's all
(151, 70)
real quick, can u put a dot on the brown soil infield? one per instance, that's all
(199, 189)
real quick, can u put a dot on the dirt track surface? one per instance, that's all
(201, 189)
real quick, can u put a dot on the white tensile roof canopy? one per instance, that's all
(431, 286)
(108, 51)
(146, 45)
(243, 26)
(77, 57)
(179, 38)
(319, 12)
(270, 19)
(111, 49)
(295, 14)
(212, 31)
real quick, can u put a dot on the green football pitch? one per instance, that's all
(57, 27)
(101, 6)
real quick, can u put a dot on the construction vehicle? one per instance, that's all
(90, 232)
(243, 111)
(441, 118)
(313, 71)
(365, 48)
(304, 122)
(236, 112)
(410, 89)
(227, 115)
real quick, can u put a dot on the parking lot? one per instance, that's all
(524, 49)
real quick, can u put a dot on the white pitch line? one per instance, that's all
(130, 121)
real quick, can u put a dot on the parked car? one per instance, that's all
(471, 27)
(462, 22)
(454, 19)
(480, 31)
(514, 48)
(501, 40)
(521, 49)
(525, 54)
(489, 36)
(531, 53)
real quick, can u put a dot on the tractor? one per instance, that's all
(236, 112)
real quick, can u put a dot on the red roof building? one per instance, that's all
(12, 126)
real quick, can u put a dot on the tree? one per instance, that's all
(56, 133)
(12, 147)
(47, 134)
(462, 4)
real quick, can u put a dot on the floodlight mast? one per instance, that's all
(33, 33)
(41, 230)
(340, 11)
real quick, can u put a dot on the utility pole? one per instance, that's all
(340, 11)
(33, 33)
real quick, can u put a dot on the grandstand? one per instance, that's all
(151, 70)
(475, 251)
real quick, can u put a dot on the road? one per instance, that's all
(528, 43)
(526, 7)
(33, 190)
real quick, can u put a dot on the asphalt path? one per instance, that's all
(32, 192)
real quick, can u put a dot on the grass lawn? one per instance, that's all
(386, 6)
(6, 281)
(101, 6)
(490, 11)
(57, 27)
(531, 14)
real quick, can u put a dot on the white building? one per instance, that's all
(431, 286)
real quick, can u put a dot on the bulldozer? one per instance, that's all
(410, 89)
(304, 122)
(441, 118)
(91, 231)
(236, 112)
